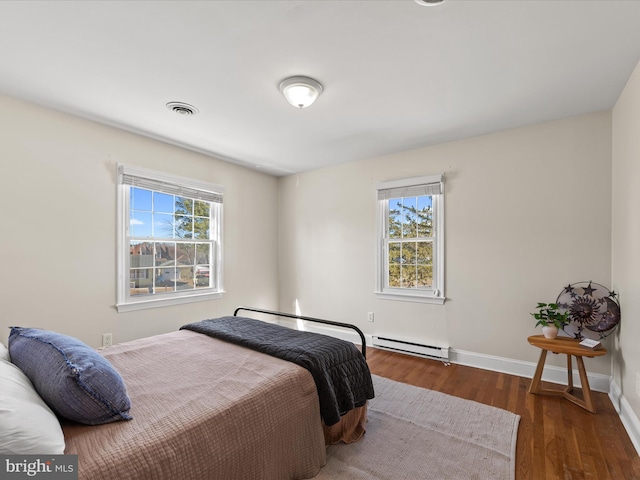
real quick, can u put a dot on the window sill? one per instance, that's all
(165, 302)
(407, 297)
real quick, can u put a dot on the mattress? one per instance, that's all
(204, 409)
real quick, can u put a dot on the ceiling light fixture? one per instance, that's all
(300, 91)
(429, 3)
(182, 108)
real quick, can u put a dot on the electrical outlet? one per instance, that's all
(107, 339)
(370, 316)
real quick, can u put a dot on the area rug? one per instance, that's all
(419, 434)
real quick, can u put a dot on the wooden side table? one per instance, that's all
(570, 347)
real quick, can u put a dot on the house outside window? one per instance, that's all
(411, 239)
(169, 231)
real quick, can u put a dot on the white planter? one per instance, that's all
(550, 331)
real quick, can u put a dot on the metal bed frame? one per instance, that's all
(310, 319)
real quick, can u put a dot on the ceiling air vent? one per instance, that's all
(182, 108)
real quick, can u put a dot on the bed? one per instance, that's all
(204, 408)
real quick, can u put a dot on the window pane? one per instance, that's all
(184, 206)
(394, 253)
(394, 276)
(185, 278)
(201, 209)
(140, 281)
(201, 227)
(409, 253)
(425, 202)
(408, 276)
(140, 254)
(163, 225)
(409, 221)
(203, 266)
(183, 226)
(186, 254)
(162, 202)
(140, 224)
(425, 276)
(140, 199)
(424, 254)
(165, 254)
(203, 276)
(425, 216)
(165, 279)
(203, 253)
(395, 218)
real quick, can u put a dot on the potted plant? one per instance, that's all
(550, 318)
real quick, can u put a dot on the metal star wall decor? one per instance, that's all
(594, 311)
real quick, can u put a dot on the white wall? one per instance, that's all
(527, 212)
(58, 257)
(626, 239)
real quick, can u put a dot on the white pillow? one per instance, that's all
(27, 424)
(4, 353)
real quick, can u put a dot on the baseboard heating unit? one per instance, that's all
(439, 353)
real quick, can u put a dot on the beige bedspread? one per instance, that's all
(204, 409)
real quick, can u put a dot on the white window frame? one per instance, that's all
(436, 294)
(126, 302)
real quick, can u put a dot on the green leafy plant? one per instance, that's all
(548, 314)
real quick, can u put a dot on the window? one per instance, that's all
(411, 239)
(169, 239)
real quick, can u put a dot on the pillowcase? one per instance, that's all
(27, 425)
(4, 353)
(76, 381)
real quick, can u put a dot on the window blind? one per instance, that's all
(410, 191)
(170, 188)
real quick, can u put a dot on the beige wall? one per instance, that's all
(522, 221)
(59, 226)
(527, 212)
(626, 237)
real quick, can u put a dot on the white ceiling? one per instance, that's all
(397, 75)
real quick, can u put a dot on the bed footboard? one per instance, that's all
(310, 319)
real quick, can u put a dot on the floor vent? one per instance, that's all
(439, 353)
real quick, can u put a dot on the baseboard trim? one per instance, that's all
(553, 374)
(627, 415)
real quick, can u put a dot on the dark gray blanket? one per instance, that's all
(340, 371)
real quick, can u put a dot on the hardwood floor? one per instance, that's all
(556, 439)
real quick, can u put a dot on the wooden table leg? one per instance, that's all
(586, 390)
(569, 373)
(535, 382)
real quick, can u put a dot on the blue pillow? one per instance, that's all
(72, 378)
